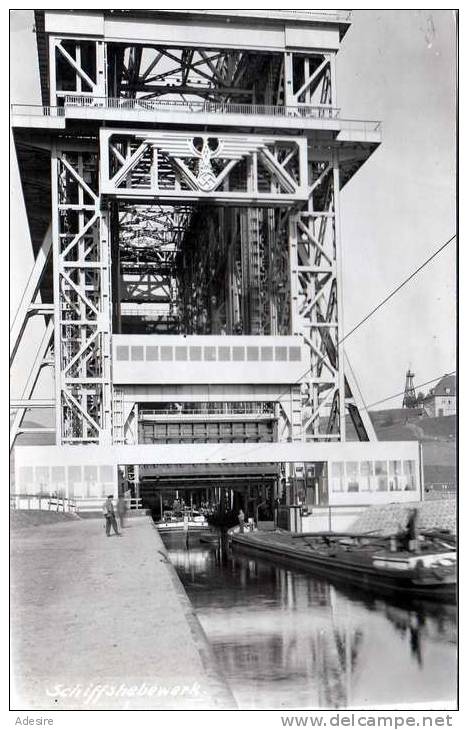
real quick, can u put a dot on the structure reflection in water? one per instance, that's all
(287, 639)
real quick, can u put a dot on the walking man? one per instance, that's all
(109, 514)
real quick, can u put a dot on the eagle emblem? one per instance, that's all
(205, 148)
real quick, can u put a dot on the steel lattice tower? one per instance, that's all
(182, 183)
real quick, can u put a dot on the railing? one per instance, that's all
(46, 502)
(38, 111)
(337, 16)
(323, 111)
(50, 502)
(80, 101)
(216, 411)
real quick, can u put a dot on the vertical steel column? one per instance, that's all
(56, 289)
(339, 289)
(82, 300)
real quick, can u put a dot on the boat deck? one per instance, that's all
(370, 563)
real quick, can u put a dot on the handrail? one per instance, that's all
(336, 16)
(37, 110)
(324, 111)
(238, 411)
(210, 107)
(46, 501)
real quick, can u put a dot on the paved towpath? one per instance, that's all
(104, 623)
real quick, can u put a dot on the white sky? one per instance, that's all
(397, 66)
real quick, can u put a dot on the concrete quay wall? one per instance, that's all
(104, 623)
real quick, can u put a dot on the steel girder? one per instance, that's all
(82, 299)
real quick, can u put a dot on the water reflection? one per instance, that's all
(288, 639)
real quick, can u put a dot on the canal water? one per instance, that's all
(286, 639)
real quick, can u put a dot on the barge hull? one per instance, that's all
(341, 571)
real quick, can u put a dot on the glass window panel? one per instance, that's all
(337, 476)
(57, 477)
(281, 354)
(25, 480)
(106, 473)
(266, 353)
(395, 481)
(122, 352)
(365, 481)
(224, 353)
(137, 353)
(209, 353)
(152, 353)
(181, 353)
(74, 479)
(381, 470)
(366, 468)
(295, 354)
(195, 353)
(42, 477)
(238, 353)
(252, 353)
(409, 476)
(166, 353)
(352, 472)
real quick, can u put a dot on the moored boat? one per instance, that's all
(171, 522)
(371, 562)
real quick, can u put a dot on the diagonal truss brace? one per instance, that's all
(29, 295)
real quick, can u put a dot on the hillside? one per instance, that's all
(437, 435)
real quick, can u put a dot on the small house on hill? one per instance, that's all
(442, 399)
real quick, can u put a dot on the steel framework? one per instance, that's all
(179, 230)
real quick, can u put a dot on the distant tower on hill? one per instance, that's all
(409, 398)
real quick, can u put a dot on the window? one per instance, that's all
(136, 354)
(252, 354)
(381, 474)
(267, 353)
(152, 353)
(122, 352)
(352, 472)
(209, 353)
(74, 479)
(224, 353)
(295, 354)
(366, 477)
(238, 354)
(337, 476)
(166, 353)
(195, 353)
(395, 483)
(181, 353)
(90, 479)
(281, 354)
(409, 475)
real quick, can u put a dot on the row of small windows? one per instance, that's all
(208, 353)
(373, 476)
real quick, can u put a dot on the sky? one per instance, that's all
(399, 67)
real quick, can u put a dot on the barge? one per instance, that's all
(370, 562)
